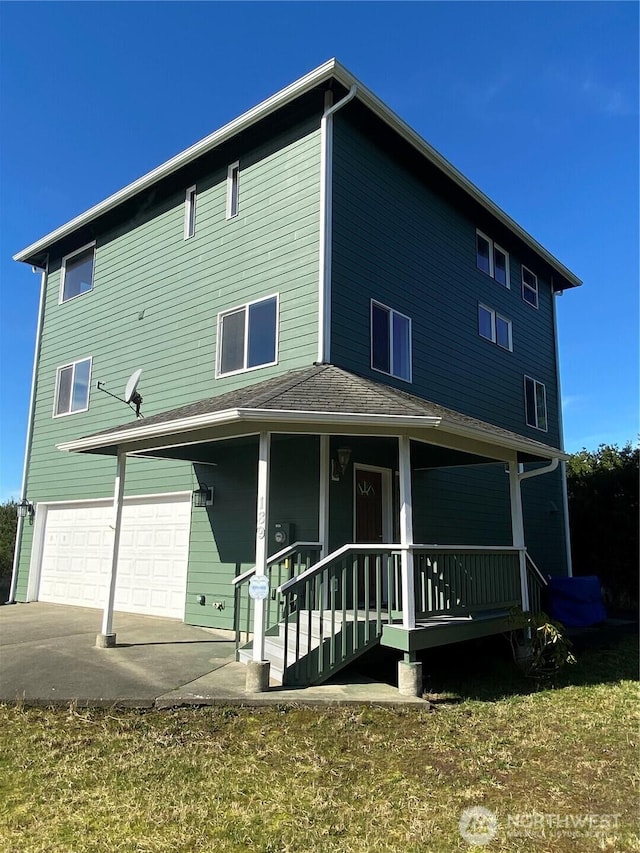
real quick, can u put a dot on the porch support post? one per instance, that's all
(406, 533)
(323, 497)
(517, 529)
(107, 639)
(262, 525)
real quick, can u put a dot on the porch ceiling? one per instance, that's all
(317, 399)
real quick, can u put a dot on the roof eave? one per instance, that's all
(213, 419)
(196, 423)
(332, 68)
(324, 72)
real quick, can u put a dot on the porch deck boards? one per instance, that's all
(442, 630)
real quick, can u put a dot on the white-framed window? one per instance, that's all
(76, 274)
(529, 287)
(492, 259)
(72, 388)
(248, 336)
(390, 341)
(190, 212)
(233, 189)
(494, 327)
(535, 403)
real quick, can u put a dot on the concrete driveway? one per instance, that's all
(48, 656)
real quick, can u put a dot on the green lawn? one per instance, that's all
(294, 779)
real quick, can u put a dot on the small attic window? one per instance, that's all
(233, 189)
(77, 273)
(190, 213)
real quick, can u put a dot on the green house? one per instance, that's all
(348, 427)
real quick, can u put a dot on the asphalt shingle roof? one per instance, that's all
(326, 388)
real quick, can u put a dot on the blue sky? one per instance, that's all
(537, 103)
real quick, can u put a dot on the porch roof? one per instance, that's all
(323, 396)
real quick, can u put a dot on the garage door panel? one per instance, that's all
(152, 564)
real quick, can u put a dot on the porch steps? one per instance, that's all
(315, 662)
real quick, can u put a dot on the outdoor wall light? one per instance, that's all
(25, 508)
(203, 496)
(339, 465)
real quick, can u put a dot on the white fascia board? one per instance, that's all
(283, 416)
(261, 110)
(523, 446)
(329, 69)
(268, 416)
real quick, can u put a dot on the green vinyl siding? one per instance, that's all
(223, 536)
(544, 526)
(155, 305)
(462, 506)
(401, 242)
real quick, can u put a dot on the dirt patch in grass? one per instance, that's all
(295, 779)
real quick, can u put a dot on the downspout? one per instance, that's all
(565, 496)
(326, 207)
(27, 448)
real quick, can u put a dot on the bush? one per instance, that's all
(603, 511)
(8, 524)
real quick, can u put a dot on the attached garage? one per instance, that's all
(75, 552)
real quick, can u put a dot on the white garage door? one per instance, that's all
(152, 563)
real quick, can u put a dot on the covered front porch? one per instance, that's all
(329, 505)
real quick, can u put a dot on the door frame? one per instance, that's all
(387, 503)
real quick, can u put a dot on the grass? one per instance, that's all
(295, 779)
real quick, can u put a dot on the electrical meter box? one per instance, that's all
(282, 534)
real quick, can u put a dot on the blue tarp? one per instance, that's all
(576, 602)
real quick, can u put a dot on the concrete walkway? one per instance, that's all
(48, 657)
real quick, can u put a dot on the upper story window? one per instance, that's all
(390, 341)
(535, 402)
(248, 336)
(77, 273)
(494, 327)
(190, 213)
(233, 189)
(72, 388)
(491, 259)
(529, 287)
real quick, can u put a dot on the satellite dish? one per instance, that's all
(132, 385)
(131, 396)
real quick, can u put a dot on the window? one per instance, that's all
(233, 188)
(72, 388)
(491, 259)
(535, 401)
(190, 213)
(248, 336)
(390, 341)
(77, 273)
(529, 287)
(494, 327)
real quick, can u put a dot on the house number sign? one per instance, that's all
(259, 587)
